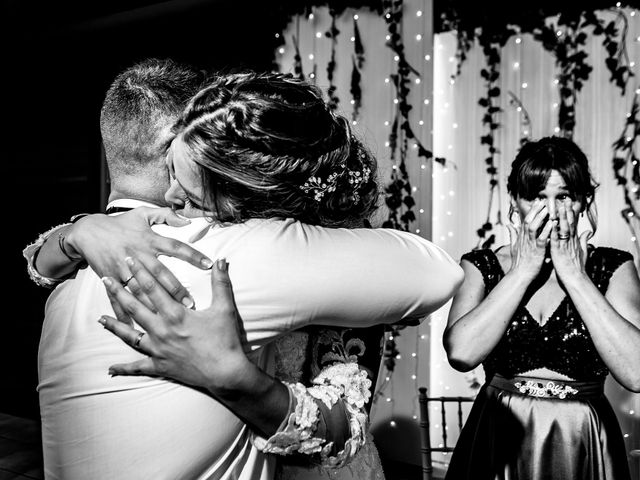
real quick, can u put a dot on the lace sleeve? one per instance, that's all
(340, 390)
(30, 253)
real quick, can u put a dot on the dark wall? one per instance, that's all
(58, 60)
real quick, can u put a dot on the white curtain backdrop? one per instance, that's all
(460, 195)
(395, 413)
(452, 200)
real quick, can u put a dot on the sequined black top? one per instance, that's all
(562, 344)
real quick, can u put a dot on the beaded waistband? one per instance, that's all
(546, 388)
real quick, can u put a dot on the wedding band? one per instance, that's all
(136, 343)
(126, 282)
(563, 237)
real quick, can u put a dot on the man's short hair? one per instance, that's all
(140, 102)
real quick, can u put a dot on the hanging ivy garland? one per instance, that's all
(525, 126)
(399, 199)
(491, 48)
(332, 34)
(565, 39)
(491, 25)
(356, 76)
(626, 168)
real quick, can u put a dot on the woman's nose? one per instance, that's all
(175, 195)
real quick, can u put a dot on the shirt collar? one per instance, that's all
(130, 203)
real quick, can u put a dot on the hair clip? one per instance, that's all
(318, 188)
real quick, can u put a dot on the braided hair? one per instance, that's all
(269, 146)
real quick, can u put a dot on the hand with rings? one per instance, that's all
(136, 342)
(203, 348)
(529, 241)
(104, 241)
(568, 250)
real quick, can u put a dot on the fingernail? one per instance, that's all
(129, 261)
(206, 263)
(187, 302)
(222, 264)
(107, 281)
(102, 321)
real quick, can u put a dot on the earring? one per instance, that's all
(512, 211)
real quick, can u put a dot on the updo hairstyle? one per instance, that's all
(269, 146)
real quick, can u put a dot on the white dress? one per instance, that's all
(294, 356)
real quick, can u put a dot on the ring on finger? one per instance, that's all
(136, 342)
(564, 237)
(126, 282)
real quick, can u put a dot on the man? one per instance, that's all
(110, 428)
(138, 111)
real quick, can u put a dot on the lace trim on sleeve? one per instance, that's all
(341, 382)
(30, 253)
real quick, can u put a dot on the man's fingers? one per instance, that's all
(166, 279)
(126, 305)
(144, 366)
(161, 299)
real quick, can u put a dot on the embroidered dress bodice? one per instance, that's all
(302, 355)
(562, 344)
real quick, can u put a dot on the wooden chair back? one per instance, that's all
(426, 447)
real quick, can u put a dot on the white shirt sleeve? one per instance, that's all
(287, 275)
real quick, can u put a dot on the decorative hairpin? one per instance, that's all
(356, 177)
(318, 187)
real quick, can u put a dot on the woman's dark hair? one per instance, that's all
(269, 146)
(532, 167)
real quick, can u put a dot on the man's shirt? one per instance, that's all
(285, 274)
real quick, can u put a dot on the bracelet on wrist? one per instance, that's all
(61, 239)
(78, 216)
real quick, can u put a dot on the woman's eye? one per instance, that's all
(564, 196)
(191, 203)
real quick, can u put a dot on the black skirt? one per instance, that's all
(533, 429)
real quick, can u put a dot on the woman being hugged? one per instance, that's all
(266, 172)
(548, 317)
